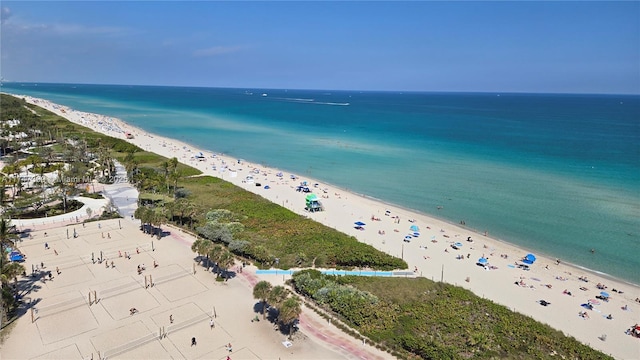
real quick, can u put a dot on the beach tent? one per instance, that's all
(414, 228)
(529, 259)
(16, 256)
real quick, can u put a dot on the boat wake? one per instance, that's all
(313, 101)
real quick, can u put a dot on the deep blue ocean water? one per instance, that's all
(556, 174)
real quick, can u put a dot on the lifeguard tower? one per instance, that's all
(312, 203)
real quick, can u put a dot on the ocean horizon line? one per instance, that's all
(372, 91)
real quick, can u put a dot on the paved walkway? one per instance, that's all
(314, 326)
(123, 196)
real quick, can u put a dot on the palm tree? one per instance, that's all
(277, 296)
(192, 211)
(46, 152)
(289, 312)
(3, 183)
(165, 173)
(216, 254)
(144, 214)
(174, 177)
(8, 270)
(224, 260)
(260, 292)
(202, 247)
(6, 238)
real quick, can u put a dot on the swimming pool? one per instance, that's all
(338, 272)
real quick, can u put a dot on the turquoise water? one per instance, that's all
(557, 174)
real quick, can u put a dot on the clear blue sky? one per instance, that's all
(574, 47)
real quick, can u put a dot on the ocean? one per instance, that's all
(557, 174)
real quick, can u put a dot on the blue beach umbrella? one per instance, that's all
(416, 234)
(483, 261)
(360, 223)
(414, 228)
(604, 294)
(529, 259)
(457, 245)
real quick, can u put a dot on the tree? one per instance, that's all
(46, 153)
(215, 254)
(261, 292)
(8, 270)
(160, 218)
(165, 173)
(277, 296)
(144, 214)
(289, 312)
(216, 232)
(202, 247)
(3, 183)
(6, 238)
(225, 260)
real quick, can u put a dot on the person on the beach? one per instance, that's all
(170, 319)
(211, 324)
(193, 341)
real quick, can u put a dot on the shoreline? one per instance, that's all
(363, 207)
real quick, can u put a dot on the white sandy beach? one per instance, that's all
(430, 254)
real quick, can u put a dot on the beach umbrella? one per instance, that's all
(594, 302)
(360, 223)
(457, 245)
(407, 238)
(482, 261)
(416, 234)
(414, 228)
(604, 294)
(529, 259)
